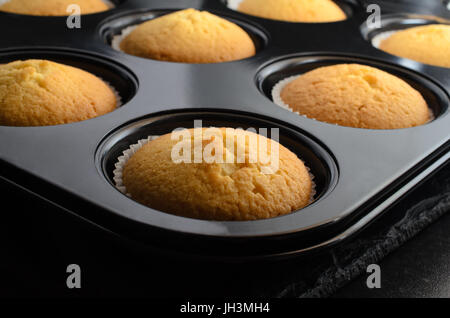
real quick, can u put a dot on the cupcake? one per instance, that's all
(213, 190)
(52, 7)
(294, 10)
(354, 95)
(429, 44)
(42, 93)
(189, 36)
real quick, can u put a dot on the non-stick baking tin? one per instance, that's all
(359, 172)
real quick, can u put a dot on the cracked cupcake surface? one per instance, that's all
(429, 44)
(43, 93)
(189, 36)
(358, 96)
(217, 191)
(294, 10)
(52, 7)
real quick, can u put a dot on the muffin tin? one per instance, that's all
(359, 172)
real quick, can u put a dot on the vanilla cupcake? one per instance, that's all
(189, 36)
(52, 7)
(42, 93)
(354, 95)
(212, 190)
(294, 10)
(428, 44)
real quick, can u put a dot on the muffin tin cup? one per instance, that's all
(358, 172)
(119, 78)
(393, 23)
(126, 155)
(116, 28)
(274, 77)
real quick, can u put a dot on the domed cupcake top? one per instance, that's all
(189, 36)
(429, 44)
(356, 96)
(42, 93)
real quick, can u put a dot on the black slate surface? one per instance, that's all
(420, 268)
(38, 241)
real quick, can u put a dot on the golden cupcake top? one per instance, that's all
(294, 10)
(358, 96)
(165, 175)
(189, 36)
(42, 93)
(429, 44)
(52, 7)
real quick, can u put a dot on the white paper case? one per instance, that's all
(376, 40)
(117, 39)
(127, 154)
(116, 93)
(233, 4)
(276, 94)
(123, 159)
(278, 88)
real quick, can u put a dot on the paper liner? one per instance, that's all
(127, 154)
(313, 185)
(117, 39)
(278, 88)
(116, 93)
(376, 40)
(276, 94)
(122, 160)
(234, 4)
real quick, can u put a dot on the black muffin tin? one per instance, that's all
(359, 172)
